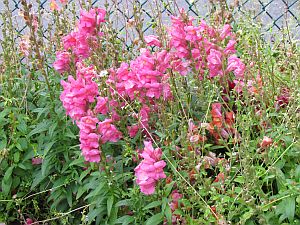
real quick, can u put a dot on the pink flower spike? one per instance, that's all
(90, 20)
(24, 45)
(89, 139)
(108, 131)
(152, 40)
(70, 40)
(77, 95)
(236, 65)
(214, 61)
(133, 130)
(230, 48)
(225, 32)
(28, 221)
(102, 105)
(150, 170)
(62, 62)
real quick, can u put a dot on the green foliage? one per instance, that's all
(260, 186)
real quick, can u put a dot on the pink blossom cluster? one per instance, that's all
(144, 78)
(150, 170)
(144, 81)
(89, 138)
(203, 47)
(77, 95)
(80, 97)
(81, 41)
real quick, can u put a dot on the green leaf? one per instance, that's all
(286, 209)
(69, 196)
(16, 157)
(239, 179)
(80, 192)
(169, 188)
(38, 178)
(125, 220)
(47, 147)
(101, 189)
(290, 208)
(41, 127)
(165, 202)
(156, 219)
(110, 202)
(94, 213)
(246, 216)
(7, 180)
(125, 202)
(70, 134)
(84, 174)
(168, 214)
(152, 205)
(46, 165)
(297, 173)
(78, 162)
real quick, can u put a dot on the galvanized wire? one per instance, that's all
(272, 14)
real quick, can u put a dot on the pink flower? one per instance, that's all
(82, 48)
(180, 66)
(216, 110)
(163, 59)
(266, 142)
(150, 170)
(28, 221)
(133, 130)
(25, 45)
(36, 161)
(78, 43)
(89, 138)
(53, 6)
(89, 20)
(64, 2)
(108, 131)
(283, 99)
(225, 32)
(236, 65)
(167, 93)
(152, 40)
(230, 48)
(62, 62)
(153, 90)
(87, 73)
(214, 62)
(192, 33)
(239, 85)
(141, 78)
(255, 85)
(35, 22)
(77, 95)
(144, 116)
(70, 40)
(176, 196)
(102, 105)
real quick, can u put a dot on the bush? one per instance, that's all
(194, 125)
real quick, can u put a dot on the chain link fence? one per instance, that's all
(272, 14)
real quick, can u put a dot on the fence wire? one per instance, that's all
(272, 14)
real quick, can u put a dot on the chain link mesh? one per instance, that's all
(272, 14)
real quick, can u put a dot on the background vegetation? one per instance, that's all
(44, 178)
